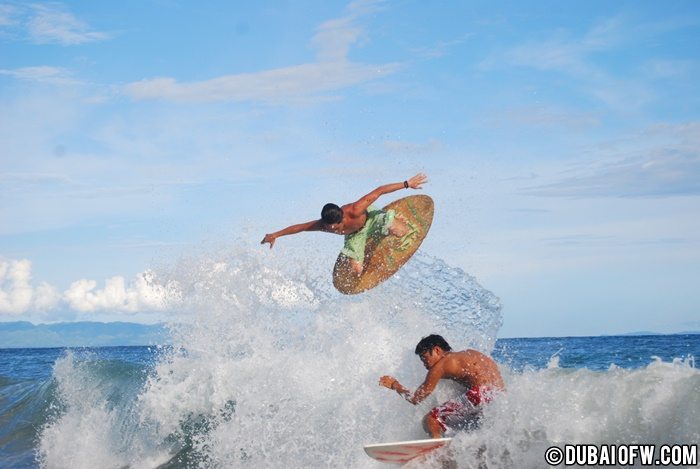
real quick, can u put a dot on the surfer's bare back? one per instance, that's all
(356, 221)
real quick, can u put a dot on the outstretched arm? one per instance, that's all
(314, 225)
(414, 183)
(421, 393)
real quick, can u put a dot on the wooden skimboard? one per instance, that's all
(385, 255)
(403, 451)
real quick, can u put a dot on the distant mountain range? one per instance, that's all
(23, 334)
(658, 333)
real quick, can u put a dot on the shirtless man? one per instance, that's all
(357, 221)
(478, 373)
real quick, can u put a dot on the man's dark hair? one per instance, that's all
(426, 344)
(331, 214)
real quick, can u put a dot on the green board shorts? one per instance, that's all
(377, 224)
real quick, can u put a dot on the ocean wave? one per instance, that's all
(275, 369)
(659, 403)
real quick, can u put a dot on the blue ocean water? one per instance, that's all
(29, 396)
(595, 353)
(30, 400)
(275, 369)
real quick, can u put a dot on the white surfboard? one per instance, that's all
(401, 452)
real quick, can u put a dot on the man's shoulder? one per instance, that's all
(455, 357)
(352, 210)
(465, 354)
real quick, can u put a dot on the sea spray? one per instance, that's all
(297, 364)
(270, 367)
(92, 421)
(657, 404)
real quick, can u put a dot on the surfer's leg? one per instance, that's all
(356, 267)
(432, 425)
(354, 250)
(456, 414)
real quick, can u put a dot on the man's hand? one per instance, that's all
(269, 239)
(417, 181)
(388, 382)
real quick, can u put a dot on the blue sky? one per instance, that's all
(562, 142)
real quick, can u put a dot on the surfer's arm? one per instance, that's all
(421, 393)
(363, 203)
(314, 225)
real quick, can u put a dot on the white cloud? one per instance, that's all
(661, 161)
(441, 48)
(334, 37)
(576, 57)
(664, 69)
(566, 54)
(42, 74)
(52, 25)
(32, 178)
(15, 288)
(46, 297)
(144, 294)
(7, 13)
(550, 55)
(411, 148)
(297, 83)
(272, 86)
(17, 295)
(544, 116)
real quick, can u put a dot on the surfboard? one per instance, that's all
(385, 255)
(403, 451)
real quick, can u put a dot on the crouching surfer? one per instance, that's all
(477, 372)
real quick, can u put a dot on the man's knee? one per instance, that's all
(431, 425)
(398, 227)
(356, 266)
(426, 423)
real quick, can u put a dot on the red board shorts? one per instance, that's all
(462, 412)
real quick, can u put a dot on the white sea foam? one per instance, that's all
(275, 369)
(94, 423)
(658, 404)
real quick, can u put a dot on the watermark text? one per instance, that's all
(622, 455)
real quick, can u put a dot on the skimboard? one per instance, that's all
(385, 255)
(403, 451)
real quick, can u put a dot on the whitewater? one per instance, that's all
(274, 368)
